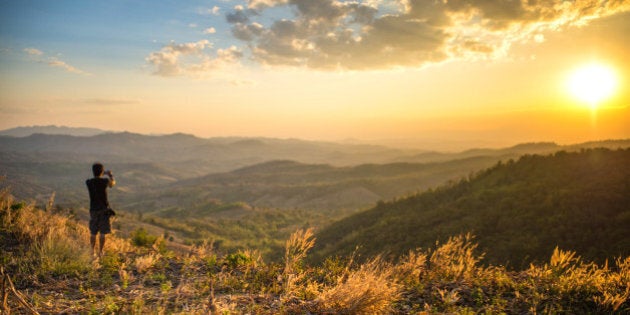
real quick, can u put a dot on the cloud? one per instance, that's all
(39, 56)
(109, 101)
(239, 15)
(33, 51)
(247, 32)
(336, 34)
(191, 59)
(54, 62)
(95, 102)
(215, 10)
(375, 34)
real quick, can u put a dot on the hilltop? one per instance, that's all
(520, 210)
(46, 268)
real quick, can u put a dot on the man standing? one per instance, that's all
(99, 206)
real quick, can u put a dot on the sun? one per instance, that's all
(592, 84)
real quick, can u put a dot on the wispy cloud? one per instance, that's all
(33, 51)
(210, 30)
(54, 62)
(57, 106)
(109, 101)
(39, 56)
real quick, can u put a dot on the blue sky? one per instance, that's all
(117, 33)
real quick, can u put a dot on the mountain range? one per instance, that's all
(254, 192)
(26, 131)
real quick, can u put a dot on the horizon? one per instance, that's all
(402, 144)
(441, 74)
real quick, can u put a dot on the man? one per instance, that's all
(99, 206)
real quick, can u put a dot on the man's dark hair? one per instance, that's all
(97, 169)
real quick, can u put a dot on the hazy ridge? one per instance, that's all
(25, 131)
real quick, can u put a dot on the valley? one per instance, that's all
(245, 193)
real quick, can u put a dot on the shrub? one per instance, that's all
(142, 238)
(237, 259)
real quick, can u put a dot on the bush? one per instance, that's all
(142, 238)
(235, 260)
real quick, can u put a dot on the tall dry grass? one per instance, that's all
(59, 243)
(296, 248)
(370, 289)
(567, 280)
(455, 260)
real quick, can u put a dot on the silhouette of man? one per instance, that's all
(99, 206)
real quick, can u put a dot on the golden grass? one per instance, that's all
(367, 290)
(146, 262)
(50, 264)
(296, 248)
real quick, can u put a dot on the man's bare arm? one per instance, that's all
(112, 181)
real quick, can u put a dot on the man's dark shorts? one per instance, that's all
(99, 222)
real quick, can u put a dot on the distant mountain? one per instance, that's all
(192, 155)
(294, 185)
(61, 162)
(514, 151)
(519, 212)
(224, 188)
(146, 162)
(51, 130)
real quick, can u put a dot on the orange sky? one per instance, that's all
(490, 91)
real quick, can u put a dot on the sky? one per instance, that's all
(428, 73)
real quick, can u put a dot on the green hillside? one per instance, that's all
(519, 212)
(46, 268)
(259, 206)
(322, 187)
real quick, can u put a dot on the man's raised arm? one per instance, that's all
(112, 181)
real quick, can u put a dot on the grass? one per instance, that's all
(46, 254)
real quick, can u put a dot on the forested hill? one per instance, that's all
(519, 211)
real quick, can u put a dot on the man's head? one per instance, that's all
(97, 169)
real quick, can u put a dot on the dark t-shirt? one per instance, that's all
(97, 187)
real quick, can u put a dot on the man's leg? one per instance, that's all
(93, 243)
(101, 245)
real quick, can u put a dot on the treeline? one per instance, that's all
(519, 211)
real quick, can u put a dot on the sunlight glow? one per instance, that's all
(592, 84)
